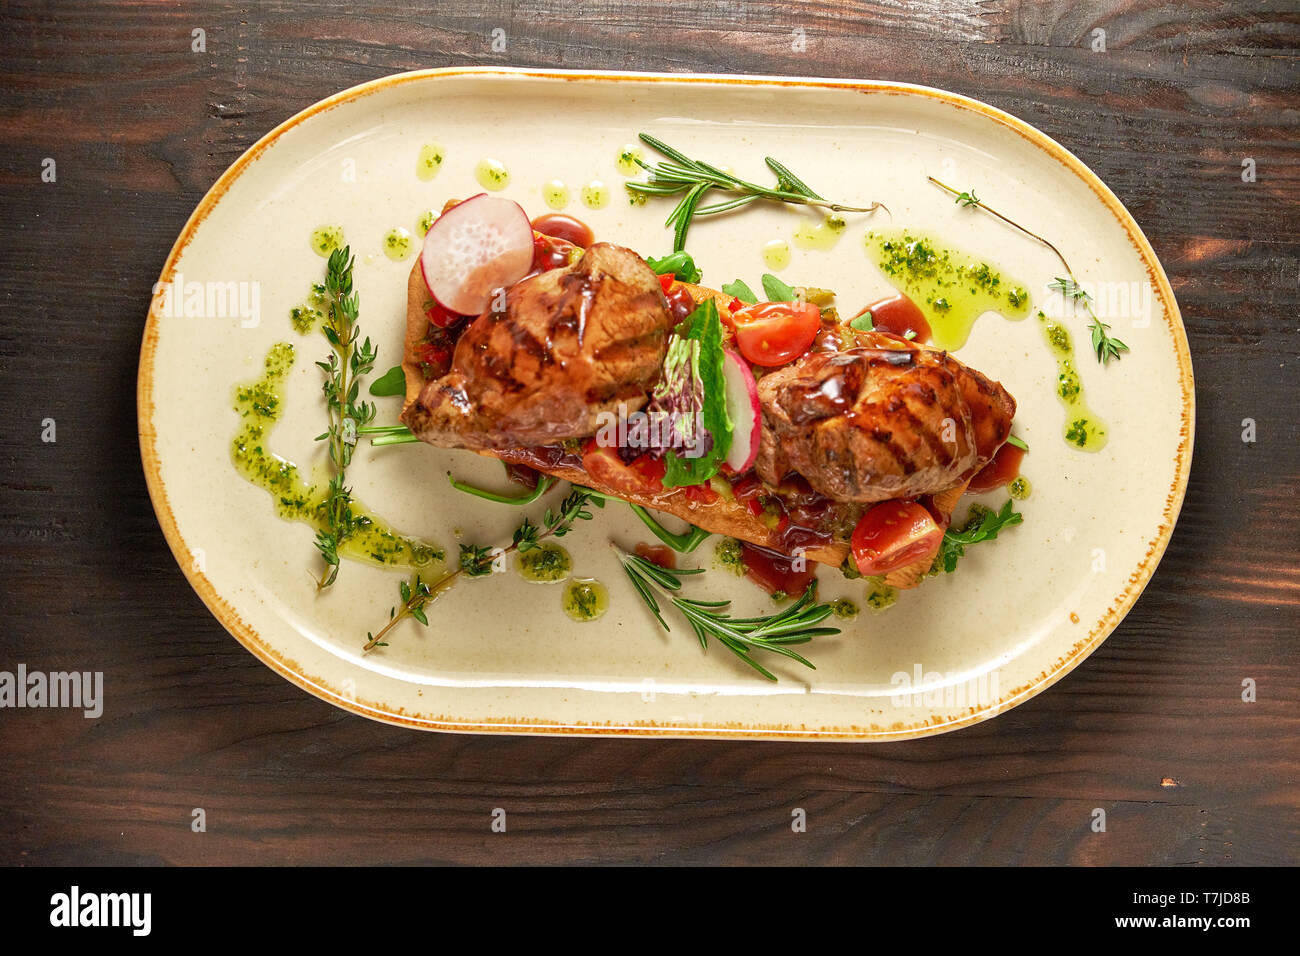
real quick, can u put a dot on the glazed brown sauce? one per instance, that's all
(899, 314)
(680, 303)
(802, 515)
(560, 226)
(1002, 470)
(659, 554)
(774, 572)
(540, 457)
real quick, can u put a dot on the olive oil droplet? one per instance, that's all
(556, 194)
(595, 195)
(326, 239)
(492, 174)
(398, 244)
(776, 254)
(627, 157)
(429, 161)
(821, 236)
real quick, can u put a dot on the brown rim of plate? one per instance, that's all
(292, 672)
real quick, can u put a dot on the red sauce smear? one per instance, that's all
(775, 572)
(900, 315)
(1002, 470)
(659, 554)
(559, 226)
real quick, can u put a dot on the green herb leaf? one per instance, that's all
(863, 323)
(679, 264)
(778, 291)
(739, 290)
(392, 382)
(982, 525)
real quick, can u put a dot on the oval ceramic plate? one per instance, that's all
(501, 655)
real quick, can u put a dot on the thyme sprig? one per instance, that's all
(678, 173)
(348, 362)
(1106, 346)
(1102, 343)
(741, 635)
(476, 561)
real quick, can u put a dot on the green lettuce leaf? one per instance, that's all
(703, 327)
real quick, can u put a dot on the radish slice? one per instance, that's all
(475, 248)
(744, 411)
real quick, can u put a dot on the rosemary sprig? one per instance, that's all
(346, 365)
(741, 635)
(477, 561)
(678, 173)
(388, 434)
(1103, 344)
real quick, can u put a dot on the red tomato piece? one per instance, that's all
(644, 476)
(892, 535)
(774, 333)
(442, 317)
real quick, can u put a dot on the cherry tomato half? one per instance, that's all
(442, 317)
(892, 535)
(774, 333)
(644, 476)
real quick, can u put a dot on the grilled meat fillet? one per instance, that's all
(570, 344)
(880, 421)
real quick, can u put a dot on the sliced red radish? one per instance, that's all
(475, 248)
(744, 411)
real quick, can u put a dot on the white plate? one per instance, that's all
(501, 655)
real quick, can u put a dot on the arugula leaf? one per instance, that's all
(778, 291)
(739, 290)
(982, 525)
(700, 334)
(392, 382)
(679, 264)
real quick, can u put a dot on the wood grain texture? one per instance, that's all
(1151, 728)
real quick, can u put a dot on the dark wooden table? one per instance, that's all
(1152, 727)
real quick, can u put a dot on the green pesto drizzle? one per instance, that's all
(545, 564)
(585, 599)
(259, 404)
(1083, 428)
(951, 288)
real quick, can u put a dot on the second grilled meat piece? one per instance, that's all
(570, 344)
(871, 423)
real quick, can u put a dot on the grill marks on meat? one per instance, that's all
(569, 345)
(882, 421)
